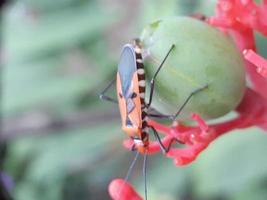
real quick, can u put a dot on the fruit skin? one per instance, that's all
(202, 56)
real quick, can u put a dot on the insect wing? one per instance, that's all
(127, 85)
(126, 69)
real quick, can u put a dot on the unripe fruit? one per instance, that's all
(202, 56)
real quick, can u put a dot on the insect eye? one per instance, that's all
(133, 95)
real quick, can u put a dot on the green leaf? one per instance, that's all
(54, 32)
(231, 163)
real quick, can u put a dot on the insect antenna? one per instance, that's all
(131, 167)
(129, 172)
(144, 174)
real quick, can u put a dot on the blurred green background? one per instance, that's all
(64, 143)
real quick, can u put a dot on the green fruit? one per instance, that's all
(202, 56)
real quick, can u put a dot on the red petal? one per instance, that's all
(241, 19)
(128, 143)
(202, 124)
(257, 60)
(121, 190)
(186, 155)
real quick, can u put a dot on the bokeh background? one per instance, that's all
(59, 141)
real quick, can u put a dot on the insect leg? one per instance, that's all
(152, 82)
(162, 147)
(102, 96)
(173, 117)
(145, 174)
(187, 100)
(160, 116)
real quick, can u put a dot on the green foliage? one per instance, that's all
(51, 158)
(232, 165)
(42, 51)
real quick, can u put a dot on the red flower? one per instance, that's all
(121, 190)
(239, 19)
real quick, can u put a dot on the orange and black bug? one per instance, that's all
(131, 87)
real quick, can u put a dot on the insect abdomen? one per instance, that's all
(142, 90)
(141, 75)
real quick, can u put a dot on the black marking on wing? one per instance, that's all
(128, 122)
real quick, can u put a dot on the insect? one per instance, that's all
(131, 87)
